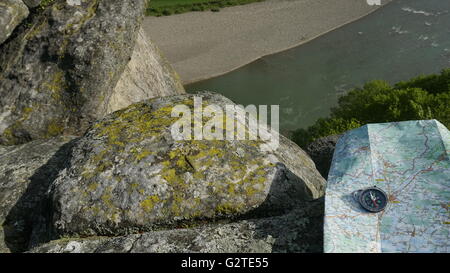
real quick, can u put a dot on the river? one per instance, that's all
(404, 39)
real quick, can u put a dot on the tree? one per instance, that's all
(424, 97)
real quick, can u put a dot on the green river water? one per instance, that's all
(404, 39)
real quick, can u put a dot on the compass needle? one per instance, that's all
(372, 199)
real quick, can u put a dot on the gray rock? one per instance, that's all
(321, 152)
(26, 172)
(299, 162)
(32, 3)
(59, 70)
(12, 12)
(300, 230)
(127, 175)
(147, 75)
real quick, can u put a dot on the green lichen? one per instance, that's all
(93, 187)
(54, 128)
(27, 111)
(95, 210)
(10, 132)
(127, 131)
(35, 29)
(56, 85)
(87, 174)
(135, 187)
(174, 179)
(198, 157)
(231, 189)
(134, 124)
(228, 208)
(127, 128)
(149, 203)
(73, 28)
(45, 3)
(139, 155)
(106, 198)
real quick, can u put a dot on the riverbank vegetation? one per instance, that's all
(424, 97)
(169, 7)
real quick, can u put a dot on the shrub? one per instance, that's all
(166, 12)
(432, 83)
(424, 97)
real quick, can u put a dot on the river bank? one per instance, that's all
(404, 39)
(202, 45)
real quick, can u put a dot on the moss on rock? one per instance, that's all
(61, 61)
(145, 180)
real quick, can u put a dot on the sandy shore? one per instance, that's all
(202, 45)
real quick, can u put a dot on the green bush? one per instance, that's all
(167, 12)
(432, 83)
(424, 97)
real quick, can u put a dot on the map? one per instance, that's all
(410, 161)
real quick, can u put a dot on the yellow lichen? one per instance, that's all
(106, 198)
(9, 132)
(143, 154)
(56, 85)
(149, 203)
(92, 187)
(228, 208)
(54, 128)
(127, 130)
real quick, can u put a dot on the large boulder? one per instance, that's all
(127, 174)
(297, 231)
(12, 13)
(59, 70)
(26, 172)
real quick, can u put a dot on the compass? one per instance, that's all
(371, 199)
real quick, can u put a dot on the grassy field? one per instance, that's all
(169, 7)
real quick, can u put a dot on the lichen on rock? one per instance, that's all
(12, 13)
(300, 230)
(63, 63)
(128, 174)
(26, 172)
(127, 184)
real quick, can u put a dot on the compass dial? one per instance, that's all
(373, 199)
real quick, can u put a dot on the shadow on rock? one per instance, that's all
(288, 220)
(26, 224)
(296, 228)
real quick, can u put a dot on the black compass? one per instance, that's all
(371, 199)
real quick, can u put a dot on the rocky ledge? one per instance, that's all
(89, 161)
(127, 176)
(63, 67)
